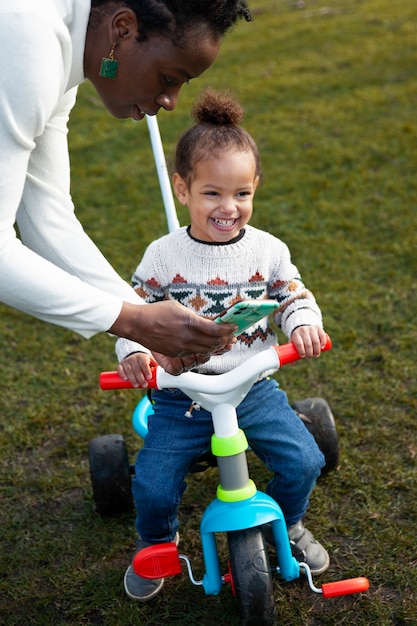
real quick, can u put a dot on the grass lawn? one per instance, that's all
(330, 91)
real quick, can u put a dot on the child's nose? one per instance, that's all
(228, 205)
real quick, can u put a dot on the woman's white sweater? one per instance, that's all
(55, 272)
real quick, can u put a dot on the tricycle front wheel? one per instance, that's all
(252, 578)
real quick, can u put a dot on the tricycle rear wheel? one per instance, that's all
(110, 474)
(317, 417)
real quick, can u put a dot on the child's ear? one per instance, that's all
(180, 188)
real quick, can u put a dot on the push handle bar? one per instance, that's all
(287, 353)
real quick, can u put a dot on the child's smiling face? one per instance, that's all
(220, 196)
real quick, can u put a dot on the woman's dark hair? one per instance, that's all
(174, 18)
(218, 117)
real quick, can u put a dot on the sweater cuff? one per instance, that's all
(124, 347)
(301, 318)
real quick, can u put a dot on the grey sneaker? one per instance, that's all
(143, 589)
(303, 547)
(307, 550)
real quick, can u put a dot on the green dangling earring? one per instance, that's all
(109, 66)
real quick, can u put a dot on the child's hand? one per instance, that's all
(309, 340)
(136, 368)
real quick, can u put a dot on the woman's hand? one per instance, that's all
(172, 329)
(178, 365)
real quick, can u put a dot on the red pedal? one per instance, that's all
(157, 561)
(344, 587)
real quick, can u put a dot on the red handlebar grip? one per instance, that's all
(112, 380)
(287, 353)
(344, 587)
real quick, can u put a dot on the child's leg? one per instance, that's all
(173, 442)
(280, 439)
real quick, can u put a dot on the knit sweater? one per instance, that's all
(55, 272)
(209, 278)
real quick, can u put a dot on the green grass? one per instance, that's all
(330, 91)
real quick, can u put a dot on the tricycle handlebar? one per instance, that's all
(287, 353)
(271, 358)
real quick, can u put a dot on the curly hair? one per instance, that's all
(174, 18)
(218, 117)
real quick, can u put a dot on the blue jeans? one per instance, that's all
(274, 431)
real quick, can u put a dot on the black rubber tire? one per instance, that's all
(110, 474)
(252, 578)
(317, 417)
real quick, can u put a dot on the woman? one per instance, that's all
(137, 54)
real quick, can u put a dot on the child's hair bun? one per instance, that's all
(218, 108)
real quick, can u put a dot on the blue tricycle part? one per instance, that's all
(141, 415)
(223, 516)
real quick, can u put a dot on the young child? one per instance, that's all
(216, 261)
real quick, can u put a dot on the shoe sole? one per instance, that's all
(316, 572)
(141, 598)
(157, 589)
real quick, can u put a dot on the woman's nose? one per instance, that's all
(168, 102)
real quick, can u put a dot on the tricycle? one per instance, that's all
(239, 509)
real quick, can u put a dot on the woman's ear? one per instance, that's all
(180, 188)
(124, 24)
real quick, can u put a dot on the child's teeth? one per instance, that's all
(224, 222)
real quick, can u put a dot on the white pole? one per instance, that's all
(163, 176)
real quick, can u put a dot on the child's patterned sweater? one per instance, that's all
(209, 278)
